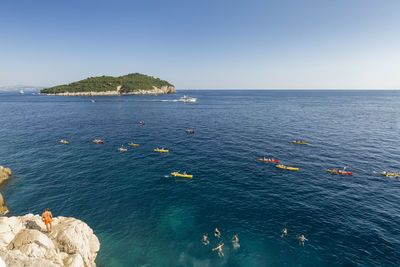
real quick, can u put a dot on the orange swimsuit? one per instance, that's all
(47, 217)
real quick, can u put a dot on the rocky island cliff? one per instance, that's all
(24, 240)
(131, 84)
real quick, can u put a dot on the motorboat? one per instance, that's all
(186, 98)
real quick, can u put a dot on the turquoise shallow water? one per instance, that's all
(144, 217)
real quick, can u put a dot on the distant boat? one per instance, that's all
(21, 92)
(186, 98)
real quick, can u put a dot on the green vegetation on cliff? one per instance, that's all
(131, 82)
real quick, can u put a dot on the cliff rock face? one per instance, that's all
(120, 91)
(25, 242)
(5, 173)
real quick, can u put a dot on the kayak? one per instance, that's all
(287, 168)
(64, 142)
(132, 144)
(177, 174)
(161, 150)
(299, 143)
(98, 141)
(269, 160)
(390, 174)
(340, 172)
(122, 149)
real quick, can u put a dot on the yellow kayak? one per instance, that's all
(287, 168)
(132, 144)
(161, 150)
(299, 143)
(390, 174)
(64, 142)
(181, 175)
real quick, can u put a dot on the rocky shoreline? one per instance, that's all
(118, 92)
(24, 240)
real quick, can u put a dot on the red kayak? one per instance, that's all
(269, 160)
(343, 172)
(98, 141)
(190, 131)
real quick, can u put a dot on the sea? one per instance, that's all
(143, 216)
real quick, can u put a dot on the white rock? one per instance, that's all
(24, 242)
(2, 263)
(74, 260)
(75, 237)
(9, 227)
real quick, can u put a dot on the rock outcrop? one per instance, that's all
(5, 173)
(119, 91)
(25, 242)
(3, 207)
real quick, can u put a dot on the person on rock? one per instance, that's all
(47, 218)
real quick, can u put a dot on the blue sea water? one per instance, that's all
(144, 217)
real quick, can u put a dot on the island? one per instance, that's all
(131, 84)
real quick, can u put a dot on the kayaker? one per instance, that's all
(284, 232)
(184, 173)
(47, 218)
(217, 233)
(219, 248)
(302, 239)
(205, 240)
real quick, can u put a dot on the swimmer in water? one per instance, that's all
(302, 239)
(205, 240)
(219, 248)
(235, 242)
(284, 232)
(217, 233)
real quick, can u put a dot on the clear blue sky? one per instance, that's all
(204, 44)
